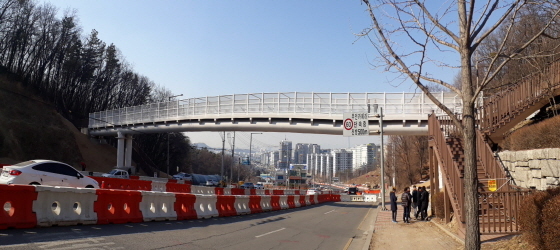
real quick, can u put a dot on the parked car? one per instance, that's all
(259, 186)
(248, 185)
(183, 176)
(117, 173)
(45, 172)
(212, 183)
(314, 191)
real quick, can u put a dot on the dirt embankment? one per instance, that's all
(30, 128)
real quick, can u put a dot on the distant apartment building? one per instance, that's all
(301, 151)
(342, 161)
(364, 155)
(320, 165)
(285, 154)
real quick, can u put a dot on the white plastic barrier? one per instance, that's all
(158, 186)
(345, 197)
(265, 203)
(284, 202)
(227, 191)
(260, 192)
(289, 192)
(242, 204)
(247, 191)
(356, 198)
(205, 206)
(64, 206)
(307, 200)
(158, 206)
(198, 189)
(296, 201)
(370, 198)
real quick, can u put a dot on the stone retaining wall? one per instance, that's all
(537, 168)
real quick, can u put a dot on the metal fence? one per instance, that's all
(309, 104)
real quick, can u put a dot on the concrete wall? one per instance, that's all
(538, 168)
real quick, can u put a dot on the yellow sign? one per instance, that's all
(492, 185)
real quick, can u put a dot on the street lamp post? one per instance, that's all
(168, 137)
(250, 147)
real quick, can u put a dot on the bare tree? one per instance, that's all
(411, 36)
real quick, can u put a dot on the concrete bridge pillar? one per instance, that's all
(128, 153)
(120, 150)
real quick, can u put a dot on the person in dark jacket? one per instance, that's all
(419, 202)
(393, 198)
(425, 197)
(406, 201)
(415, 201)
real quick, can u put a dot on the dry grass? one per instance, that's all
(544, 134)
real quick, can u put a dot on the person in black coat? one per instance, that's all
(415, 201)
(393, 198)
(406, 202)
(425, 198)
(418, 203)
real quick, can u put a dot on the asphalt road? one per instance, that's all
(324, 226)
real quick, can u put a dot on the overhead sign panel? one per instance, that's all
(355, 124)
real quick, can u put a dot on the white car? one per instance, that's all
(45, 172)
(183, 176)
(117, 173)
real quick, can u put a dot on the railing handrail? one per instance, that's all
(492, 167)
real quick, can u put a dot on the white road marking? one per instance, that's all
(330, 211)
(270, 232)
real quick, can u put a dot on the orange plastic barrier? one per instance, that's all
(237, 191)
(123, 184)
(18, 201)
(297, 192)
(253, 191)
(135, 177)
(278, 192)
(312, 200)
(302, 202)
(226, 205)
(267, 192)
(335, 197)
(275, 202)
(184, 206)
(291, 202)
(255, 204)
(375, 191)
(117, 206)
(177, 188)
(219, 191)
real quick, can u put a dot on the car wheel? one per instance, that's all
(35, 183)
(89, 186)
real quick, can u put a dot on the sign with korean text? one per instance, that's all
(355, 124)
(492, 185)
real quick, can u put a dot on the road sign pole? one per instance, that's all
(382, 160)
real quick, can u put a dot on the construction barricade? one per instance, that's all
(242, 204)
(205, 206)
(17, 201)
(265, 203)
(64, 206)
(158, 206)
(335, 197)
(275, 202)
(259, 192)
(302, 200)
(178, 188)
(297, 192)
(278, 192)
(159, 186)
(291, 202)
(118, 206)
(284, 202)
(184, 206)
(237, 191)
(227, 191)
(255, 204)
(219, 191)
(123, 184)
(267, 192)
(359, 198)
(312, 199)
(370, 198)
(226, 205)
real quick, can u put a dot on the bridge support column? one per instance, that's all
(128, 154)
(120, 150)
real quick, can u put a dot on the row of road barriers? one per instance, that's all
(359, 198)
(26, 206)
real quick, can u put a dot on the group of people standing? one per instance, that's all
(418, 200)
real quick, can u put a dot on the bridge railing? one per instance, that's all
(307, 103)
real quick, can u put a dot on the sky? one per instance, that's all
(209, 47)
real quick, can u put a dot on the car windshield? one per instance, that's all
(114, 171)
(248, 183)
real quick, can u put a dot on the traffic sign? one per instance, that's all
(492, 185)
(355, 124)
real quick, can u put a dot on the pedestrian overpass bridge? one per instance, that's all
(290, 112)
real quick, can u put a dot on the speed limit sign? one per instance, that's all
(355, 124)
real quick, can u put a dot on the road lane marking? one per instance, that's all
(364, 218)
(330, 211)
(275, 231)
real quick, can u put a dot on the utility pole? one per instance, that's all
(232, 160)
(168, 133)
(223, 148)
